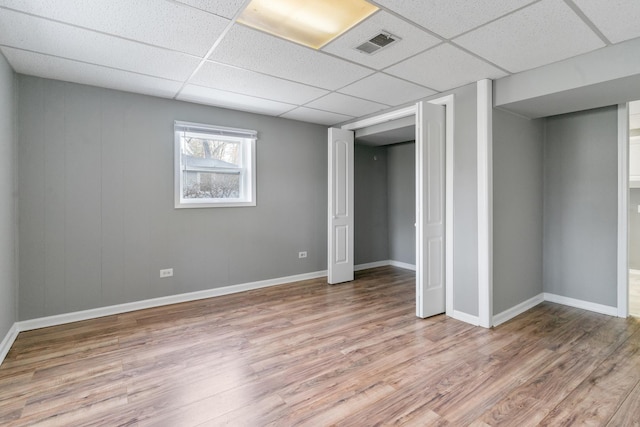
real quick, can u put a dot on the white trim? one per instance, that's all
(384, 263)
(516, 310)
(623, 213)
(448, 102)
(404, 265)
(382, 118)
(585, 305)
(8, 341)
(464, 317)
(420, 213)
(485, 201)
(228, 132)
(61, 319)
(368, 265)
(633, 271)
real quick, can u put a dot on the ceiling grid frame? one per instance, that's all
(349, 80)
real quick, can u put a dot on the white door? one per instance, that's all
(430, 214)
(340, 233)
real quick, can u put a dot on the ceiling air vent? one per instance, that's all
(377, 42)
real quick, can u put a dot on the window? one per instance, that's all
(214, 166)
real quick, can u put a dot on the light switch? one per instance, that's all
(638, 208)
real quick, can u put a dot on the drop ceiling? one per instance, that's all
(194, 50)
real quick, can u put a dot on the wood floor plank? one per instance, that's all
(308, 353)
(628, 414)
(597, 398)
(530, 402)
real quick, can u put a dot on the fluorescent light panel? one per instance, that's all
(313, 23)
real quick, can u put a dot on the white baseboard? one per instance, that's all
(512, 312)
(384, 263)
(61, 319)
(8, 340)
(467, 318)
(369, 265)
(404, 265)
(585, 305)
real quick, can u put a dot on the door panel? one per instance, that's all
(430, 204)
(340, 233)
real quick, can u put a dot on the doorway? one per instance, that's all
(384, 195)
(434, 202)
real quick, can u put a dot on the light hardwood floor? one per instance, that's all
(311, 354)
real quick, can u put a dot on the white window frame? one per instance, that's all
(247, 139)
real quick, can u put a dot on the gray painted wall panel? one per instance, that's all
(8, 273)
(517, 209)
(113, 152)
(580, 205)
(31, 191)
(55, 198)
(371, 225)
(401, 184)
(116, 187)
(82, 189)
(465, 202)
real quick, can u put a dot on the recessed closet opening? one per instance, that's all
(385, 195)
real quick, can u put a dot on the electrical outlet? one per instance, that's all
(302, 254)
(167, 272)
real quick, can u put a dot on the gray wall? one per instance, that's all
(401, 207)
(517, 209)
(370, 204)
(634, 229)
(384, 203)
(97, 233)
(8, 242)
(97, 221)
(465, 202)
(580, 205)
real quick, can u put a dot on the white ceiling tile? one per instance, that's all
(344, 104)
(304, 114)
(161, 23)
(540, 34)
(227, 8)
(51, 67)
(232, 79)
(618, 20)
(56, 39)
(445, 67)
(386, 89)
(251, 49)
(414, 40)
(449, 18)
(234, 101)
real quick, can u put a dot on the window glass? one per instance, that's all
(214, 166)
